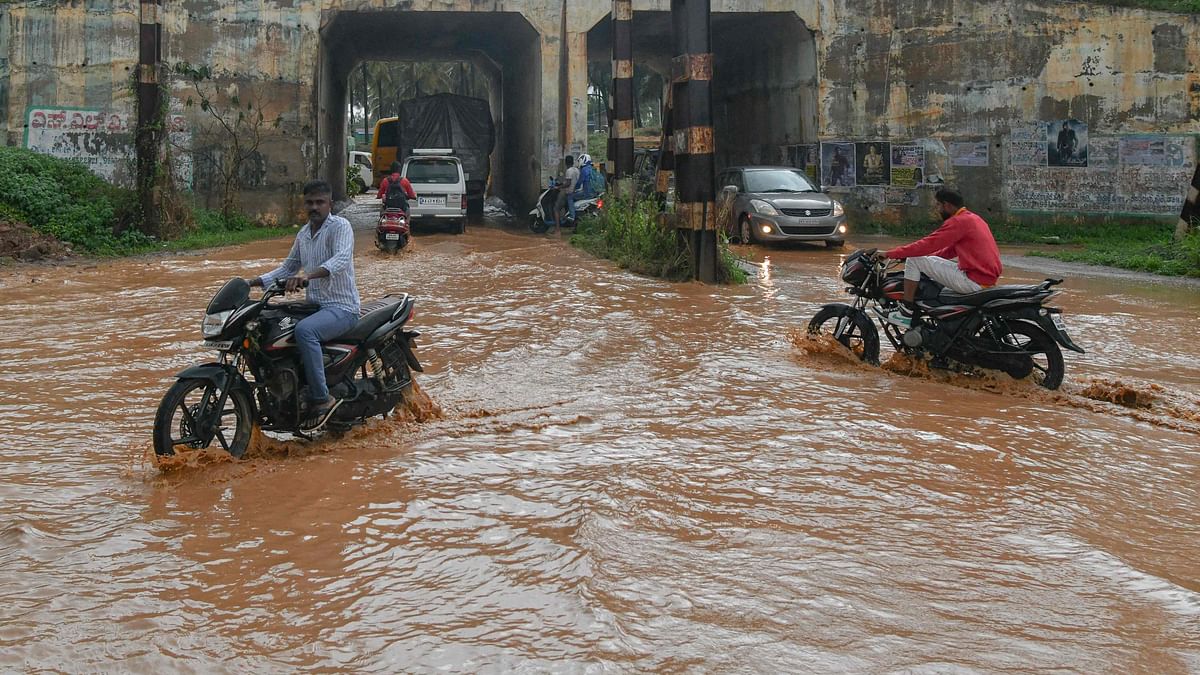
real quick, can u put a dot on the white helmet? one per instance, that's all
(585, 159)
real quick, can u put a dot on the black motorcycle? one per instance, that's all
(259, 380)
(1005, 328)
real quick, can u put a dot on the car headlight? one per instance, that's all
(765, 208)
(213, 323)
(837, 208)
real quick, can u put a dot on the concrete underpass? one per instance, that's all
(503, 45)
(764, 77)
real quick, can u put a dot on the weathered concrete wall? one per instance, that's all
(921, 73)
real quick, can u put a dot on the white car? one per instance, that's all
(441, 186)
(363, 176)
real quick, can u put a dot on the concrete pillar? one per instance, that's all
(150, 117)
(575, 96)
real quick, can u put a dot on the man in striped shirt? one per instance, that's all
(323, 258)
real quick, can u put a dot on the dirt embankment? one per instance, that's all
(18, 241)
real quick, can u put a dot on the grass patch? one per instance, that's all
(1141, 245)
(627, 232)
(66, 201)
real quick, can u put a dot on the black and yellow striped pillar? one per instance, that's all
(149, 117)
(692, 127)
(1191, 206)
(620, 135)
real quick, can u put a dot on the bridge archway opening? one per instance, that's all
(503, 46)
(764, 77)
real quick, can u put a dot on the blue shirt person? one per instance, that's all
(323, 258)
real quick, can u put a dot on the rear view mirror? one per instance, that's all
(732, 188)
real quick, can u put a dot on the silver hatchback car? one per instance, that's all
(780, 203)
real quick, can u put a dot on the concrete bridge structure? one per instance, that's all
(787, 73)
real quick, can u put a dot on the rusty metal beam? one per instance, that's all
(692, 132)
(149, 111)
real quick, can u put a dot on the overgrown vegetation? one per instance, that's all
(64, 200)
(628, 233)
(1141, 245)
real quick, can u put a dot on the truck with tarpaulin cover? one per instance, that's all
(461, 123)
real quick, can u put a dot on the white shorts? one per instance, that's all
(943, 271)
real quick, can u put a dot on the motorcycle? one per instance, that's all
(541, 217)
(392, 231)
(1005, 328)
(258, 379)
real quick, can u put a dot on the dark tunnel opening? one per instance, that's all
(503, 45)
(764, 78)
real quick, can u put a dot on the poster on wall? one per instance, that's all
(969, 153)
(101, 140)
(805, 157)
(908, 166)
(1143, 150)
(1067, 143)
(837, 164)
(874, 165)
(1103, 152)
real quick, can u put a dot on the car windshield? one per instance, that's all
(426, 171)
(777, 180)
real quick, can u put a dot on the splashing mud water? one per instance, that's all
(615, 462)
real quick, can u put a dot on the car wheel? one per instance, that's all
(745, 231)
(460, 227)
(362, 186)
(834, 244)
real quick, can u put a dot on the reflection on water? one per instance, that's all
(625, 474)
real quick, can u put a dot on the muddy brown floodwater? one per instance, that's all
(627, 475)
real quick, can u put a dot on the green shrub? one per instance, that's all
(67, 201)
(628, 233)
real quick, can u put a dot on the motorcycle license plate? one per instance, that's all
(221, 345)
(431, 201)
(392, 235)
(1058, 322)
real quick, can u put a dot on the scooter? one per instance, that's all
(542, 215)
(392, 231)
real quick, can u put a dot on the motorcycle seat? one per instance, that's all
(297, 308)
(372, 315)
(949, 297)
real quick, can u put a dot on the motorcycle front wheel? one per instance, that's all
(188, 419)
(537, 225)
(858, 333)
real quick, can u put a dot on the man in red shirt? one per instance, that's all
(963, 235)
(395, 177)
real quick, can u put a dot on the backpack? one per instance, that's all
(594, 179)
(395, 198)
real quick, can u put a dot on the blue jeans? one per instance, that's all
(578, 194)
(326, 324)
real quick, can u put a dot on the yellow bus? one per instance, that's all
(385, 146)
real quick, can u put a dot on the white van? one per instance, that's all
(362, 176)
(441, 186)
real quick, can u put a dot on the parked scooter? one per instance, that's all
(541, 218)
(392, 231)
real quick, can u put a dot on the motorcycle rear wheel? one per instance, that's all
(860, 335)
(186, 418)
(1047, 358)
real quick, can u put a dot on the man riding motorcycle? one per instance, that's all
(963, 235)
(322, 258)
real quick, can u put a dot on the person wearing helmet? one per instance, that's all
(586, 180)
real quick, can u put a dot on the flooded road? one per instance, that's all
(628, 475)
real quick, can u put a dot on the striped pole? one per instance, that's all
(149, 117)
(692, 124)
(620, 134)
(1191, 206)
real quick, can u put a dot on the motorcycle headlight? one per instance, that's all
(765, 208)
(213, 323)
(837, 208)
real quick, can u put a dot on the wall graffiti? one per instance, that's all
(101, 140)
